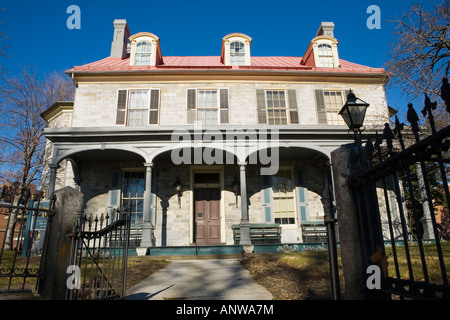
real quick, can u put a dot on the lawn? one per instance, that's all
(431, 260)
(289, 276)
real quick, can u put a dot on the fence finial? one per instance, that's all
(412, 118)
(389, 136)
(369, 149)
(445, 93)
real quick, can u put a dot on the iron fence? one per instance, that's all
(24, 231)
(397, 190)
(99, 256)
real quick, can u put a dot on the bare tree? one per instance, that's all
(3, 46)
(419, 56)
(22, 100)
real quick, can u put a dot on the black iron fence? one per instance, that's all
(23, 232)
(402, 197)
(99, 257)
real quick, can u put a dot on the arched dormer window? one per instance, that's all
(325, 52)
(237, 53)
(236, 50)
(143, 53)
(145, 50)
(325, 55)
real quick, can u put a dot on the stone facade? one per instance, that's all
(102, 159)
(92, 97)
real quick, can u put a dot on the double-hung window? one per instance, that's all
(237, 53)
(207, 106)
(143, 53)
(283, 187)
(329, 103)
(277, 107)
(133, 194)
(325, 56)
(137, 107)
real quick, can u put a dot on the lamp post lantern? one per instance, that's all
(353, 112)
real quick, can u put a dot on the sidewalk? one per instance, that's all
(215, 279)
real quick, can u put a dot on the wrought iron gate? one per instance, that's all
(21, 266)
(99, 256)
(396, 191)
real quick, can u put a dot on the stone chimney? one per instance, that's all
(120, 40)
(326, 29)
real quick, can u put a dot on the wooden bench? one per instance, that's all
(314, 233)
(259, 233)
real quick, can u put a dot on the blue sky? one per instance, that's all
(37, 30)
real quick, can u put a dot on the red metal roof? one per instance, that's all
(213, 62)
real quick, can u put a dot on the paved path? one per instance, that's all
(217, 279)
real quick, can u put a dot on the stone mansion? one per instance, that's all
(203, 148)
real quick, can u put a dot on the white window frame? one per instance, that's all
(218, 109)
(130, 197)
(127, 106)
(241, 55)
(294, 198)
(326, 56)
(147, 54)
(333, 117)
(286, 107)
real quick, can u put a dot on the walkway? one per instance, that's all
(215, 279)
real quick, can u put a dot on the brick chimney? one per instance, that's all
(120, 40)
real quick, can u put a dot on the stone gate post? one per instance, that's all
(57, 255)
(348, 224)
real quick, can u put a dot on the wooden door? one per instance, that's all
(207, 216)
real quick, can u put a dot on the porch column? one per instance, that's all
(52, 179)
(148, 225)
(245, 224)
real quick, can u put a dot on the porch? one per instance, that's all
(190, 200)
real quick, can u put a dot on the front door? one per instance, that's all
(207, 216)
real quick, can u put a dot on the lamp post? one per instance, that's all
(353, 112)
(236, 189)
(179, 190)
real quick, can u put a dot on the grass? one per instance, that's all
(431, 260)
(139, 268)
(20, 264)
(298, 276)
(292, 276)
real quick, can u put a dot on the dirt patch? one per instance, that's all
(292, 277)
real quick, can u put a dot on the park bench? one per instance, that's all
(259, 233)
(314, 232)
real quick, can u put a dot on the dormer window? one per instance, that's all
(322, 52)
(145, 50)
(237, 53)
(143, 53)
(325, 56)
(236, 50)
